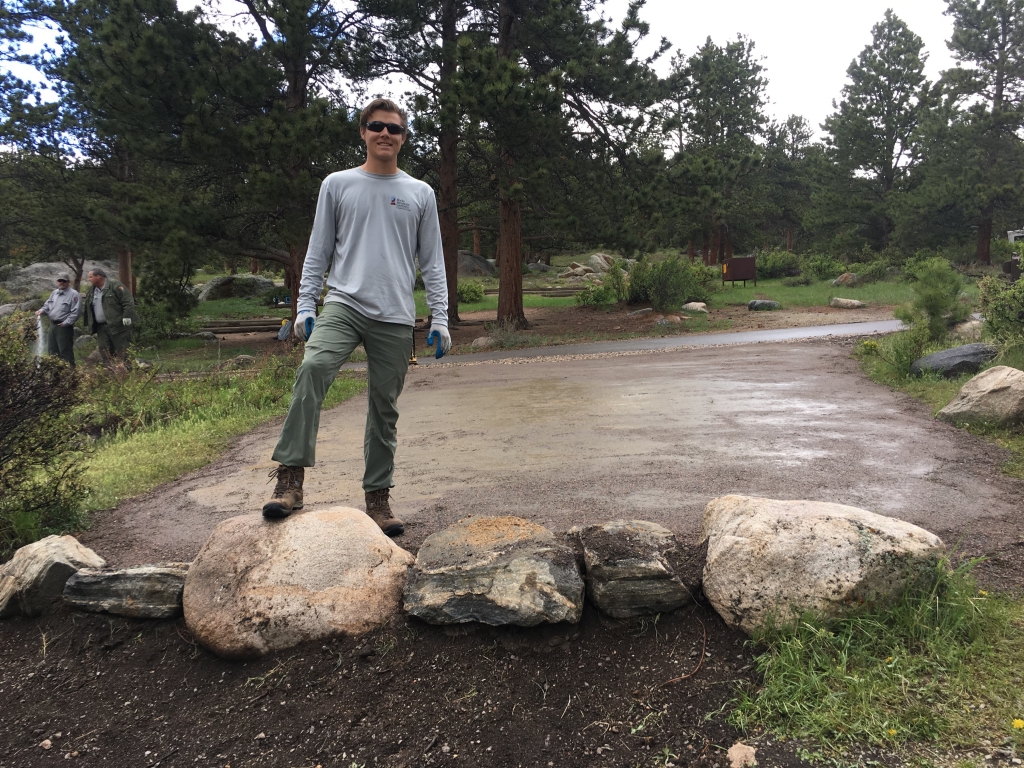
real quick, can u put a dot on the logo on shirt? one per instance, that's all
(400, 204)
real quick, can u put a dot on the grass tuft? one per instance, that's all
(942, 666)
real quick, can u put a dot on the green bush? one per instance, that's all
(777, 263)
(823, 267)
(616, 282)
(898, 350)
(38, 486)
(669, 284)
(869, 272)
(593, 295)
(470, 293)
(938, 288)
(1002, 304)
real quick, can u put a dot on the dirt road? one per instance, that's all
(651, 435)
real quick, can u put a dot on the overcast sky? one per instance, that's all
(806, 45)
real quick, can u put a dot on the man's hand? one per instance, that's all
(126, 322)
(445, 337)
(39, 312)
(300, 323)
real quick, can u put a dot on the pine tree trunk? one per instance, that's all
(984, 251)
(789, 239)
(293, 278)
(705, 250)
(476, 239)
(726, 242)
(449, 214)
(510, 250)
(716, 245)
(690, 251)
(254, 266)
(124, 269)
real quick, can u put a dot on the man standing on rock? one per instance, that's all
(370, 223)
(109, 313)
(63, 308)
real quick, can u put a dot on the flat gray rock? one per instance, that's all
(144, 592)
(32, 582)
(995, 396)
(495, 570)
(762, 305)
(235, 286)
(474, 265)
(950, 363)
(635, 568)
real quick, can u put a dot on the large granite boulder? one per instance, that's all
(954, 362)
(259, 586)
(635, 567)
(846, 280)
(600, 262)
(473, 265)
(838, 303)
(495, 570)
(32, 582)
(995, 396)
(143, 592)
(763, 305)
(235, 287)
(771, 560)
(34, 279)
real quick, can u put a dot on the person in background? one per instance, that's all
(110, 314)
(63, 308)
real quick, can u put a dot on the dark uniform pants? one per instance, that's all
(113, 341)
(61, 342)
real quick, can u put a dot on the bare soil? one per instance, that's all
(648, 436)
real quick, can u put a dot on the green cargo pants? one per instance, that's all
(113, 341)
(337, 332)
(61, 343)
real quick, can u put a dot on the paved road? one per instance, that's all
(630, 434)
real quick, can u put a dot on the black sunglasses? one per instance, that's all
(377, 126)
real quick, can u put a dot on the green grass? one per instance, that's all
(491, 303)
(238, 309)
(815, 295)
(169, 428)
(940, 667)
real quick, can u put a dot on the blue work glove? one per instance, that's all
(439, 334)
(304, 323)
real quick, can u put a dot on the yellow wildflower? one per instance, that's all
(892, 731)
(982, 592)
(888, 660)
(1018, 724)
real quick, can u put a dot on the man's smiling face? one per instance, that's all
(382, 146)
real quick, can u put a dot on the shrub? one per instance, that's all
(38, 490)
(670, 284)
(777, 263)
(898, 350)
(1002, 304)
(615, 280)
(470, 293)
(593, 295)
(823, 267)
(869, 272)
(938, 304)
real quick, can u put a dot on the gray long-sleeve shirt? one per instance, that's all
(368, 231)
(63, 307)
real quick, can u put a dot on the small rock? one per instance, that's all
(6, 310)
(259, 586)
(847, 280)
(567, 273)
(46, 744)
(495, 570)
(144, 592)
(483, 341)
(238, 362)
(669, 320)
(33, 580)
(205, 336)
(771, 558)
(633, 568)
(846, 303)
(695, 306)
(954, 362)
(995, 396)
(741, 755)
(761, 305)
(640, 312)
(260, 736)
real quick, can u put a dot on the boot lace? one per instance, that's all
(287, 477)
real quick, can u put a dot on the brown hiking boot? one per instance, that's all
(378, 507)
(287, 496)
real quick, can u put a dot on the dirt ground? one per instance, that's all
(561, 442)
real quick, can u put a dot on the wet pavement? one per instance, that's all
(624, 433)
